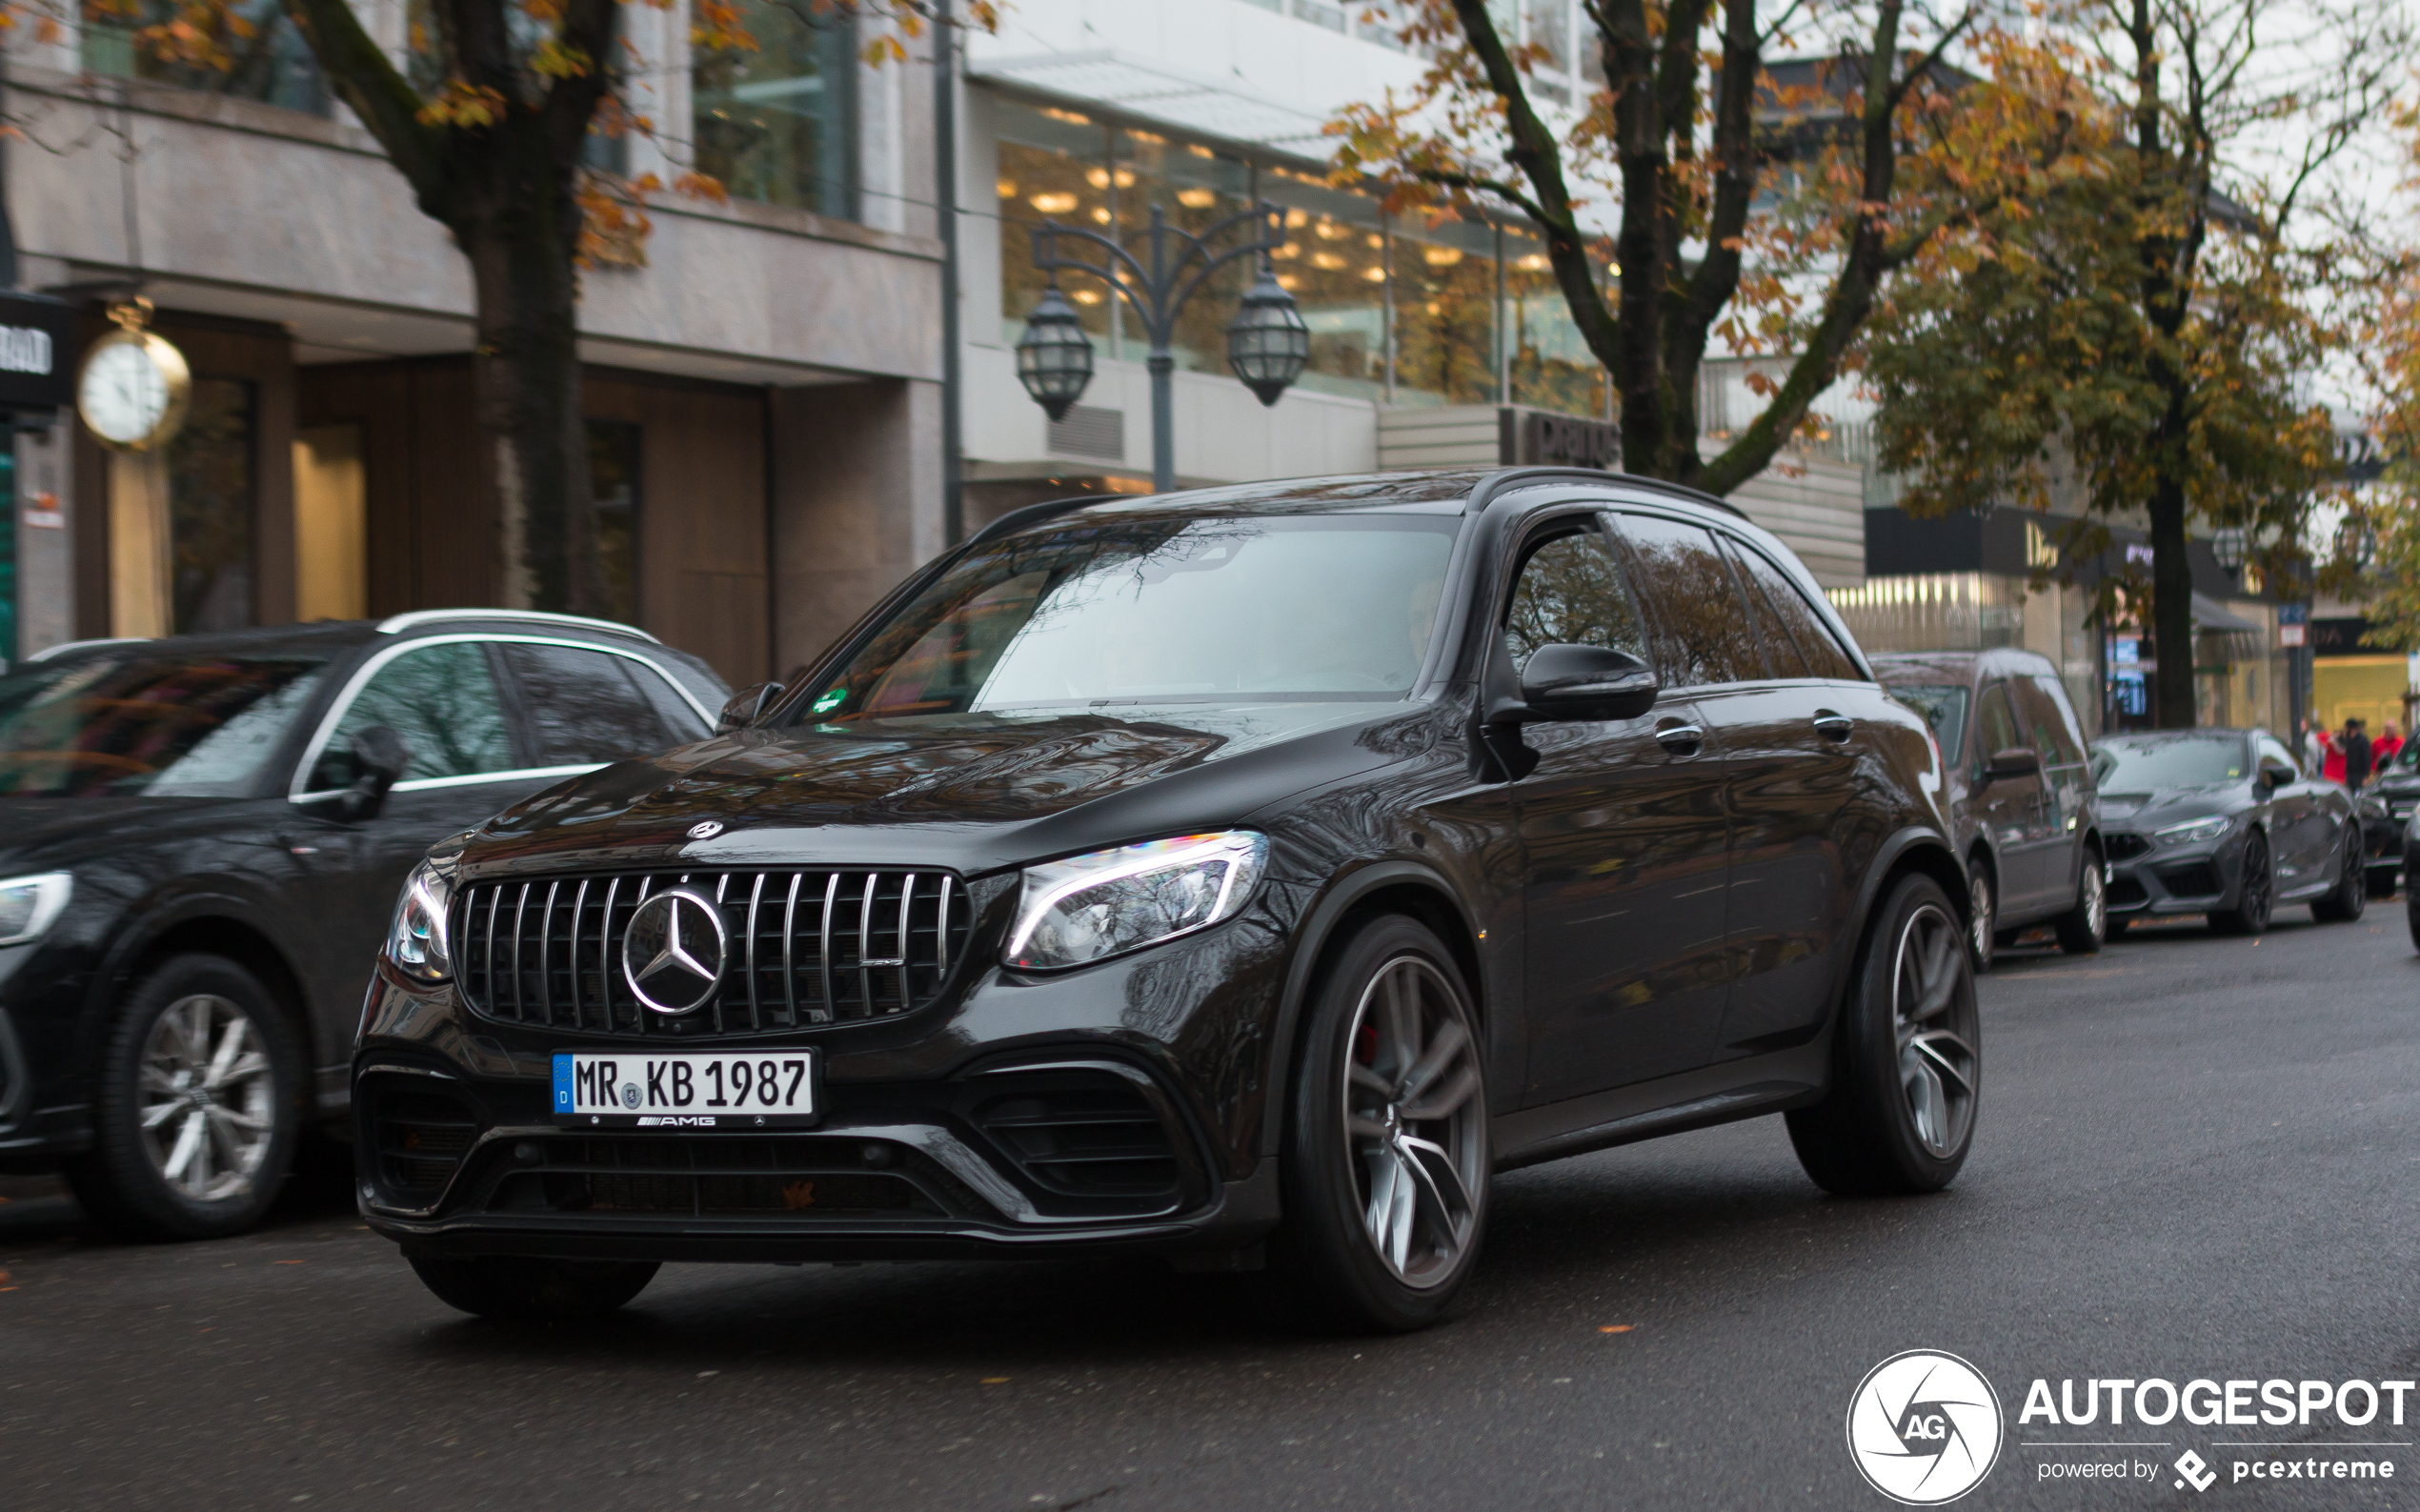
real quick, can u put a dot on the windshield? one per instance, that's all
(1160, 609)
(2154, 764)
(147, 723)
(1944, 708)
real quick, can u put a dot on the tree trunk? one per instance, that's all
(2173, 702)
(520, 229)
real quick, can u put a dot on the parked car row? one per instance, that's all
(2220, 823)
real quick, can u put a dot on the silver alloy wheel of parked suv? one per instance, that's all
(1982, 923)
(1936, 1048)
(207, 1099)
(1411, 1087)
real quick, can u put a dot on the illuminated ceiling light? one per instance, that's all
(1373, 239)
(1289, 249)
(1054, 204)
(1535, 262)
(1197, 198)
(1441, 257)
(1329, 231)
(1298, 218)
(1328, 260)
(1087, 296)
(1100, 215)
(1374, 275)
(1006, 187)
(1097, 178)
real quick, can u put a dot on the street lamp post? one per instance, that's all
(1267, 342)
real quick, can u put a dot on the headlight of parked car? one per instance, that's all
(1088, 908)
(2192, 831)
(27, 905)
(417, 940)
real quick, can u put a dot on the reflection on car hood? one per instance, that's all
(44, 834)
(971, 791)
(2400, 783)
(2154, 811)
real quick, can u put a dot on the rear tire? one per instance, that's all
(1386, 1163)
(1983, 916)
(199, 1105)
(1906, 1058)
(2351, 893)
(2082, 927)
(2257, 894)
(517, 1288)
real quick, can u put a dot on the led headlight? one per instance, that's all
(1087, 908)
(2194, 831)
(27, 905)
(416, 942)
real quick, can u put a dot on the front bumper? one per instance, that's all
(2381, 841)
(1118, 1106)
(2168, 879)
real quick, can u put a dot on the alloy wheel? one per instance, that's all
(1981, 923)
(207, 1099)
(1933, 1013)
(2258, 885)
(2096, 898)
(1412, 1120)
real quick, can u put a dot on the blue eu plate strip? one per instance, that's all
(562, 1082)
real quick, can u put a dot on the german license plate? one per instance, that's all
(687, 1090)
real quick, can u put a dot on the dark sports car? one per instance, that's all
(2222, 822)
(2387, 805)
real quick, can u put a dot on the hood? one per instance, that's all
(49, 833)
(976, 792)
(2155, 811)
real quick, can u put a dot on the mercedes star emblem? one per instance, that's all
(705, 829)
(673, 951)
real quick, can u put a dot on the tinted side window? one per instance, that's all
(1570, 592)
(1699, 627)
(2056, 735)
(442, 700)
(1825, 657)
(584, 706)
(1781, 647)
(1995, 726)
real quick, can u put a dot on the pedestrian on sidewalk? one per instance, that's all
(2357, 746)
(2382, 751)
(2315, 749)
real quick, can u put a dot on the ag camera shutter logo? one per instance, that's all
(1924, 1427)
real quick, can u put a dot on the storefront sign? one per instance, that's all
(37, 353)
(1566, 440)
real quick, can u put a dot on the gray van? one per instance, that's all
(2027, 813)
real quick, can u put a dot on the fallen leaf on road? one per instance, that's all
(996, 1380)
(1615, 1328)
(285, 1263)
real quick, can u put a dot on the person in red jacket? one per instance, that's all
(2382, 751)
(2332, 765)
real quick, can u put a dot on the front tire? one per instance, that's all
(1906, 1058)
(199, 1105)
(2082, 927)
(2351, 895)
(2257, 896)
(519, 1288)
(1386, 1163)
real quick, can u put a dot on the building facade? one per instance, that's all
(762, 376)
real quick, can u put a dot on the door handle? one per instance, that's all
(1833, 726)
(1681, 739)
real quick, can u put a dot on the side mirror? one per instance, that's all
(2273, 777)
(1586, 682)
(380, 756)
(747, 707)
(2017, 761)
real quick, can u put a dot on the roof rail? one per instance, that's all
(397, 624)
(66, 646)
(1495, 485)
(1017, 519)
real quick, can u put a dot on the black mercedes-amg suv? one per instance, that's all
(1236, 874)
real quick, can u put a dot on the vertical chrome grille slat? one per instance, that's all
(755, 897)
(510, 950)
(907, 900)
(823, 955)
(788, 937)
(865, 937)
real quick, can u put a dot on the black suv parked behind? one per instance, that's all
(1263, 865)
(2020, 792)
(201, 840)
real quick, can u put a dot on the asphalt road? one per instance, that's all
(2197, 1158)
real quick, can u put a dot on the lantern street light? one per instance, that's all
(2226, 544)
(1267, 344)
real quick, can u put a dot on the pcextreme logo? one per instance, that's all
(1924, 1427)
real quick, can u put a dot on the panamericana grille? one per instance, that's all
(2124, 847)
(803, 948)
